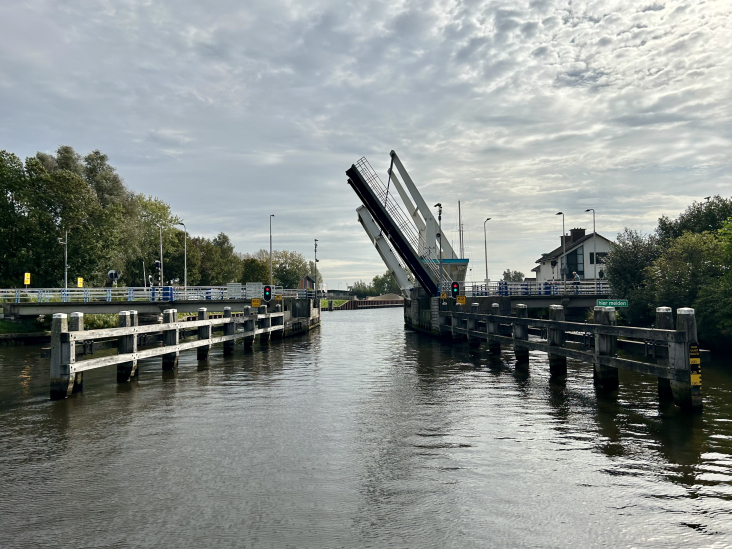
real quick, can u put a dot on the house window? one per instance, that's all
(576, 262)
(600, 257)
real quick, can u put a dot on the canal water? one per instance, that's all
(361, 434)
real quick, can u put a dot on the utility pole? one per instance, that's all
(271, 283)
(439, 235)
(65, 242)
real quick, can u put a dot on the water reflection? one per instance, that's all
(360, 434)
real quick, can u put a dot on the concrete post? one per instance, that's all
(250, 325)
(494, 347)
(521, 333)
(266, 323)
(685, 359)
(127, 344)
(557, 338)
(76, 324)
(473, 342)
(664, 321)
(62, 380)
(229, 329)
(330, 305)
(204, 332)
(605, 377)
(170, 339)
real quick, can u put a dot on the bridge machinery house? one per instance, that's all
(580, 257)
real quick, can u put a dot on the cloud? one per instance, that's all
(232, 111)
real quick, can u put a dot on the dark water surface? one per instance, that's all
(361, 434)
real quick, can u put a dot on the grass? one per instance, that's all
(336, 303)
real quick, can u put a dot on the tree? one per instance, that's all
(626, 269)
(385, 284)
(289, 268)
(254, 270)
(708, 216)
(513, 276)
(361, 289)
(311, 272)
(103, 178)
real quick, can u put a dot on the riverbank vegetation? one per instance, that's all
(110, 227)
(686, 262)
(379, 285)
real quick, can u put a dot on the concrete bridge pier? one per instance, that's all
(204, 332)
(521, 333)
(76, 324)
(127, 344)
(605, 377)
(493, 327)
(557, 338)
(664, 321)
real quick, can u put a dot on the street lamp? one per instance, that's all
(485, 236)
(316, 270)
(271, 283)
(594, 240)
(439, 235)
(65, 242)
(564, 254)
(185, 260)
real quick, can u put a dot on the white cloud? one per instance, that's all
(232, 111)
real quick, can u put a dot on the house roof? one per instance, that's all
(557, 252)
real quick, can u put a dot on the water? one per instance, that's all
(361, 434)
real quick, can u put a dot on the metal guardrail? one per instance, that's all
(500, 288)
(155, 293)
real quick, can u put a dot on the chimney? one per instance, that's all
(576, 234)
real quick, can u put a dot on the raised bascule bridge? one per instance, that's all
(438, 300)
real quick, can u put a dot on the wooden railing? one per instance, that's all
(678, 369)
(67, 333)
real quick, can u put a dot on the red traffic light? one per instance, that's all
(267, 293)
(455, 289)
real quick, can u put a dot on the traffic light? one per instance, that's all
(455, 289)
(157, 265)
(267, 293)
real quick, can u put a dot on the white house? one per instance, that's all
(580, 257)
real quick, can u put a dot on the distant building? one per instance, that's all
(580, 257)
(307, 283)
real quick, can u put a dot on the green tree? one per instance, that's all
(289, 268)
(626, 269)
(254, 270)
(513, 276)
(362, 289)
(708, 216)
(385, 284)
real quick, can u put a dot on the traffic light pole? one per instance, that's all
(439, 236)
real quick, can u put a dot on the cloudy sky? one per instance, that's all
(233, 110)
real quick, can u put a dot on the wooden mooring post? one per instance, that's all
(204, 333)
(76, 324)
(171, 338)
(556, 338)
(521, 334)
(493, 328)
(664, 321)
(606, 377)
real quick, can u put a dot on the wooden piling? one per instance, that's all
(204, 332)
(229, 329)
(557, 338)
(605, 377)
(685, 358)
(664, 321)
(76, 324)
(249, 325)
(264, 337)
(62, 355)
(521, 333)
(127, 344)
(493, 327)
(170, 339)
(473, 342)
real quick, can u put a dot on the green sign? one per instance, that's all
(612, 302)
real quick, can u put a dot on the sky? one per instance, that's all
(231, 111)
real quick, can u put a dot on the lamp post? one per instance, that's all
(270, 249)
(564, 255)
(439, 235)
(485, 237)
(594, 240)
(316, 270)
(161, 255)
(65, 242)
(185, 260)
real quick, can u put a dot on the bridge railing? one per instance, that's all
(155, 293)
(501, 288)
